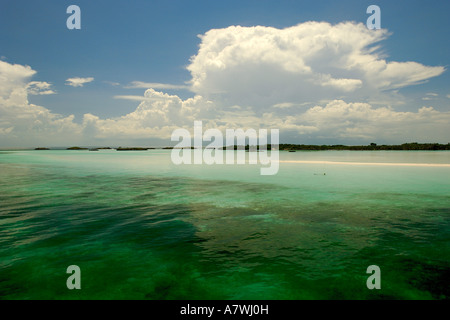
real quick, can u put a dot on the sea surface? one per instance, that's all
(140, 227)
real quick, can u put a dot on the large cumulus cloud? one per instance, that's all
(23, 123)
(264, 66)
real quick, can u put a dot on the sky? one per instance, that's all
(138, 70)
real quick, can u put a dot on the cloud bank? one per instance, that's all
(316, 82)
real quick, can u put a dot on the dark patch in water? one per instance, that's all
(161, 291)
(434, 278)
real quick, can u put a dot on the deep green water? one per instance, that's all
(140, 227)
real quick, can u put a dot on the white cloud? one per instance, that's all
(346, 85)
(134, 98)
(361, 120)
(151, 85)
(78, 82)
(337, 120)
(264, 66)
(157, 114)
(13, 83)
(39, 88)
(430, 96)
(284, 105)
(22, 122)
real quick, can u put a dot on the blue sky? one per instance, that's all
(121, 42)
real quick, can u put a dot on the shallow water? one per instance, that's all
(140, 227)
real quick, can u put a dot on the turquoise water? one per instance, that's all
(140, 227)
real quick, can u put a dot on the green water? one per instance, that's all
(140, 227)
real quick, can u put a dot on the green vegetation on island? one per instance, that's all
(412, 146)
(77, 148)
(133, 149)
(371, 147)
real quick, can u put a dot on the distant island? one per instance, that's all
(109, 148)
(133, 149)
(371, 147)
(77, 148)
(412, 146)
